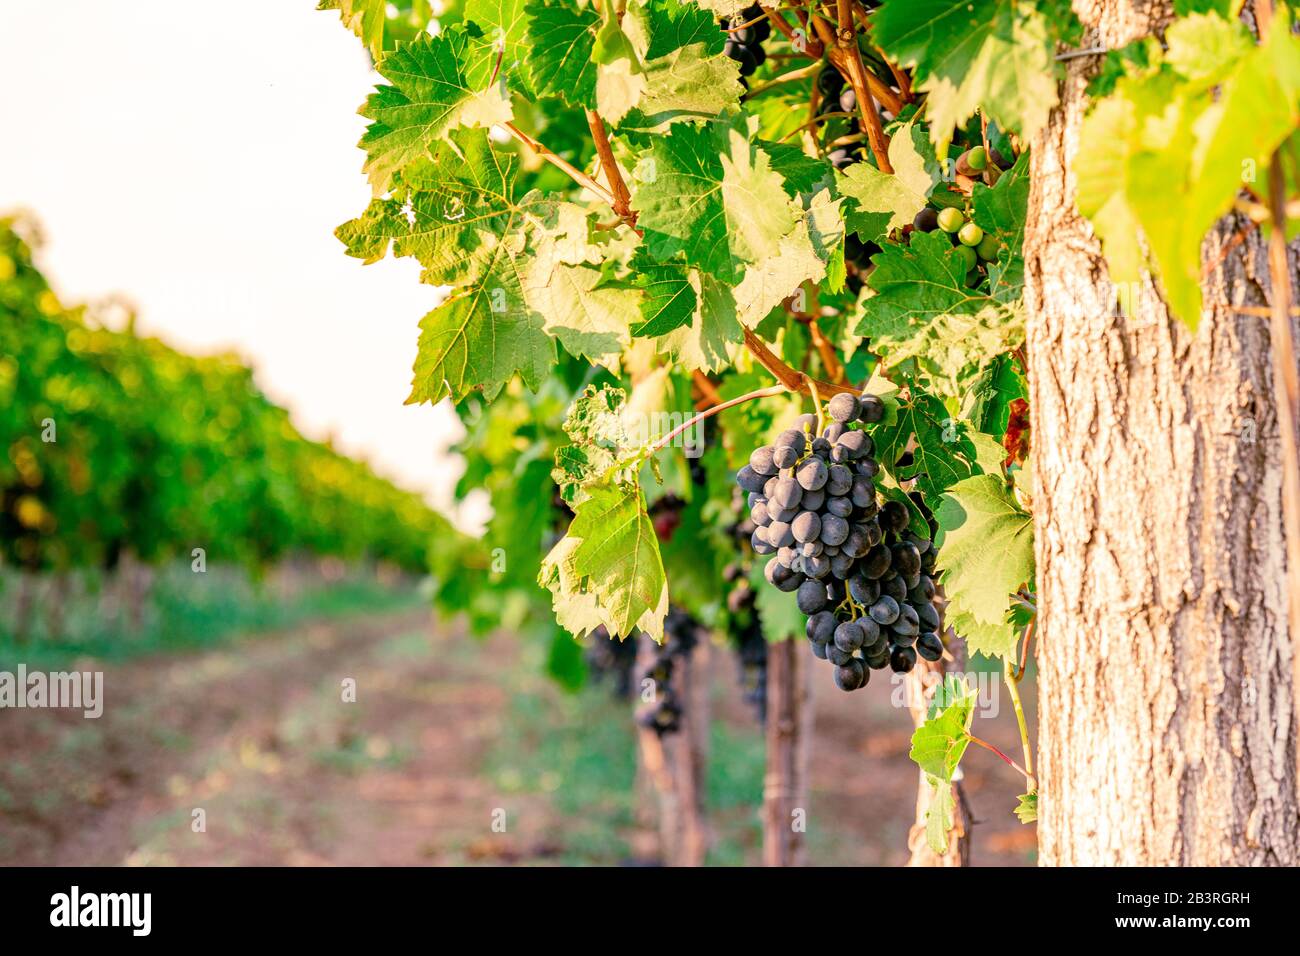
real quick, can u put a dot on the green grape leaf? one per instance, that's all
(480, 337)
(686, 84)
(992, 55)
(505, 25)
(882, 202)
(618, 558)
(937, 748)
(947, 450)
(798, 257)
(914, 284)
(713, 334)
(674, 24)
(561, 42)
(707, 192)
(365, 18)
(986, 548)
(998, 640)
(1141, 185)
(460, 209)
(438, 83)
(668, 302)
(1027, 807)
(590, 320)
(576, 608)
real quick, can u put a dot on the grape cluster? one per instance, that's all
(745, 45)
(975, 248)
(612, 661)
(663, 714)
(861, 577)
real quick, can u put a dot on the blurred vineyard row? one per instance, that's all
(117, 448)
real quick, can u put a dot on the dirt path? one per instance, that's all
(440, 744)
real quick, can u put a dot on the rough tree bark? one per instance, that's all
(676, 763)
(1166, 715)
(788, 739)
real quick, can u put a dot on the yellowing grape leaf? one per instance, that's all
(437, 84)
(986, 548)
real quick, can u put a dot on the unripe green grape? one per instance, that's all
(977, 158)
(969, 235)
(950, 220)
(988, 248)
(966, 255)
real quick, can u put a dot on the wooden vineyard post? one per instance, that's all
(788, 739)
(676, 763)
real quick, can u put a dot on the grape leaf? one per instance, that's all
(480, 337)
(438, 83)
(882, 202)
(686, 84)
(505, 24)
(618, 556)
(365, 18)
(561, 41)
(991, 640)
(1027, 807)
(460, 207)
(986, 547)
(673, 24)
(669, 299)
(803, 174)
(993, 55)
(937, 748)
(947, 450)
(708, 192)
(798, 257)
(1139, 182)
(913, 284)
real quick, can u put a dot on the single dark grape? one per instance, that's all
(812, 474)
(885, 610)
(849, 636)
(843, 407)
(902, 659)
(929, 646)
(850, 676)
(927, 220)
(820, 626)
(811, 597)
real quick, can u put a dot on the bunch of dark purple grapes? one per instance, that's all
(863, 580)
(663, 713)
(745, 45)
(612, 661)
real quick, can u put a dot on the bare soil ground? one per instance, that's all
(446, 737)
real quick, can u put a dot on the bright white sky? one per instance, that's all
(196, 158)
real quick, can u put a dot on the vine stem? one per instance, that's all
(1286, 389)
(842, 48)
(793, 380)
(1286, 396)
(622, 196)
(1030, 782)
(1013, 685)
(577, 175)
(712, 410)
